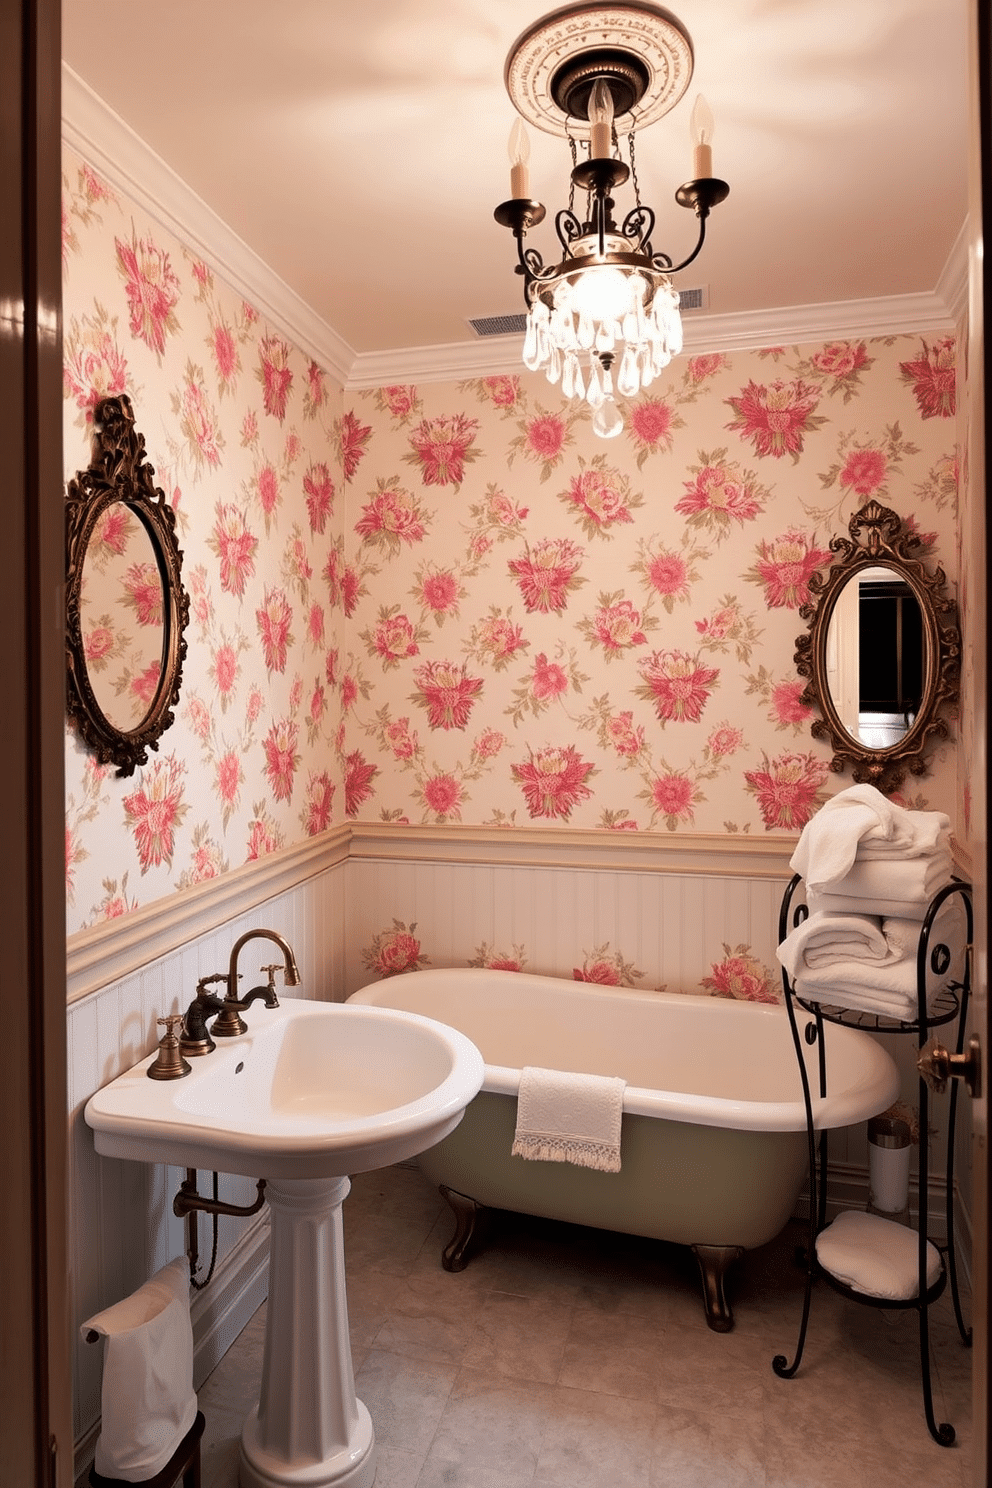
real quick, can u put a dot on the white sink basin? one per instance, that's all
(312, 1090)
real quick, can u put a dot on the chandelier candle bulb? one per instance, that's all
(518, 149)
(701, 128)
(606, 316)
(601, 119)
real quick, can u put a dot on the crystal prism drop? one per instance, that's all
(607, 421)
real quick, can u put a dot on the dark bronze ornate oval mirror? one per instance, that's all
(883, 655)
(126, 608)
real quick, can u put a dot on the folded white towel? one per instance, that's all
(861, 822)
(902, 1007)
(932, 834)
(825, 938)
(907, 878)
(875, 1256)
(903, 909)
(565, 1117)
(148, 1403)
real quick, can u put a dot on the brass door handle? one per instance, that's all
(937, 1065)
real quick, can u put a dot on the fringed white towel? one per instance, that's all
(565, 1117)
(861, 823)
(875, 1256)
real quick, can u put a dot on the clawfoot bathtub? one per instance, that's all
(713, 1146)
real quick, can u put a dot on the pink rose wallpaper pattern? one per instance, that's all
(248, 439)
(450, 603)
(554, 630)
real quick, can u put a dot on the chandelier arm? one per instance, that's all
(674, 268)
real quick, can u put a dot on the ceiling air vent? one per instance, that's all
(516, 325)
(693, 299)
(499, 325)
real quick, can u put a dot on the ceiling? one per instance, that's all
(359, 149)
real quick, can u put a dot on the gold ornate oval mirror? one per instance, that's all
(126, 608)
(883, 655)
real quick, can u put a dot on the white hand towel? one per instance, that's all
(859, 822)
(931, 831)
(148, 1403)
(907, 878)
(903, 909)
(903, 1008)
(565, 1117)
(825, 938)
(875, 1256)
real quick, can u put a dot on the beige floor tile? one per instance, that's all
(491, 1423)
(593, 1439)
(405, 1398)
(519, 1338)
(711, 1445)
(615, 1354)
(569, 1358)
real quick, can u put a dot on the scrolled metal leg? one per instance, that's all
(714, 1261)
(471, 1223)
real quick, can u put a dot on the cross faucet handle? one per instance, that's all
(272, 969)
(169, 1023)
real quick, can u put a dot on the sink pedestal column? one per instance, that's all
(308, 1430)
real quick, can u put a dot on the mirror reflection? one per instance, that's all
(875, 664)
(122, 612)
(126, 608)
(882, 659)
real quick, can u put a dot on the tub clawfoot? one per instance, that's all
(714, 1261)
(471, 1222)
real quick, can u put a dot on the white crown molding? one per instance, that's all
(111, 147)
(749, 330)
(952, 286)
(102, 137)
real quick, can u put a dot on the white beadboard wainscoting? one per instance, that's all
(668, 905)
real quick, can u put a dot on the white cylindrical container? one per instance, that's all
(889, 1149)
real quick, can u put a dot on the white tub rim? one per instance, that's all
(876, 1088)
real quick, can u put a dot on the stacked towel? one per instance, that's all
(874, 972)
(871, 870)
(860, 824)
(564, 1117)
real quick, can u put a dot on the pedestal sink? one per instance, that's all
(312, 1092)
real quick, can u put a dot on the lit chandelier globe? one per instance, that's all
(604, 321)
(597, 318)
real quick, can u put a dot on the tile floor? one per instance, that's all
(571, 1358)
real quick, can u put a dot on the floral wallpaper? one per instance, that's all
(244, 433)
(452, 603)
(546, 628)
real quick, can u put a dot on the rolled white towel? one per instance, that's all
(825, 938)
(858, 822)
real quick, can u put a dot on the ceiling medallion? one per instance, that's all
(596, 74)
(641, 37)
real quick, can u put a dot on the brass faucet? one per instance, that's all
(229, 1024)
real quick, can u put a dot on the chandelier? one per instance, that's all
(605, 319)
